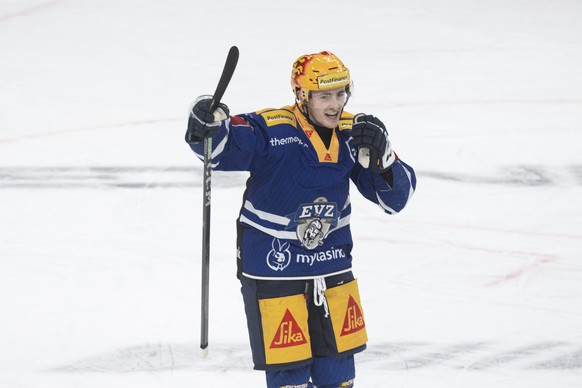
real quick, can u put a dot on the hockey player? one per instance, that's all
(304, 314)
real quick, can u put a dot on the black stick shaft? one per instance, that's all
(206, 184)
(227, 72)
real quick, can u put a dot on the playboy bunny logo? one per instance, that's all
(279, 257)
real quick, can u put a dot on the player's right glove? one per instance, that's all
(203, 123)
(371, 139)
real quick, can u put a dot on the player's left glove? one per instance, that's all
(371, 139)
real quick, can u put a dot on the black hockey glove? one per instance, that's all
(371, 139)
(203, 123)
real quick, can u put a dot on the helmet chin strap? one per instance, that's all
(304, 108)
(303, 105)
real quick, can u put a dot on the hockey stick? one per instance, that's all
(229, 66)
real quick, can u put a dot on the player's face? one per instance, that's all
(325, 106)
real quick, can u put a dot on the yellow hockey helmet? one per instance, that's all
(320, 71)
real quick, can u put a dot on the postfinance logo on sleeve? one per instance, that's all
(278, 116)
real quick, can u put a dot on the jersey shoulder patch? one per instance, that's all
(238, 120)
(274, 117)
(346, 121)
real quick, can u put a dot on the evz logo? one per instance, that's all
(279, 257)
(313, 221)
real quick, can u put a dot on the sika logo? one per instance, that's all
(288, 334)
(354, 320)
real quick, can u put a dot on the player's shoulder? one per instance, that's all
(278, 116)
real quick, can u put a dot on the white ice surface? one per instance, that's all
(478, 283)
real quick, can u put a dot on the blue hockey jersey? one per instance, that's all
(295, 219)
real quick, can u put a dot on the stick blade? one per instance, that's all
(227, 72)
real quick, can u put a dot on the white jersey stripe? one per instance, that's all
(271, 232)
(384, 206)
(409, 175)
(274, 218)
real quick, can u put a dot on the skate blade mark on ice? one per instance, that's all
(99, 177)
(478, 356)
(139, 177)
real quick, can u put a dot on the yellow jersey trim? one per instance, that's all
(324, 155)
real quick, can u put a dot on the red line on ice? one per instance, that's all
(28, 11)
(500, 230)
(475, 102)
(72, 130)
(544, 259)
